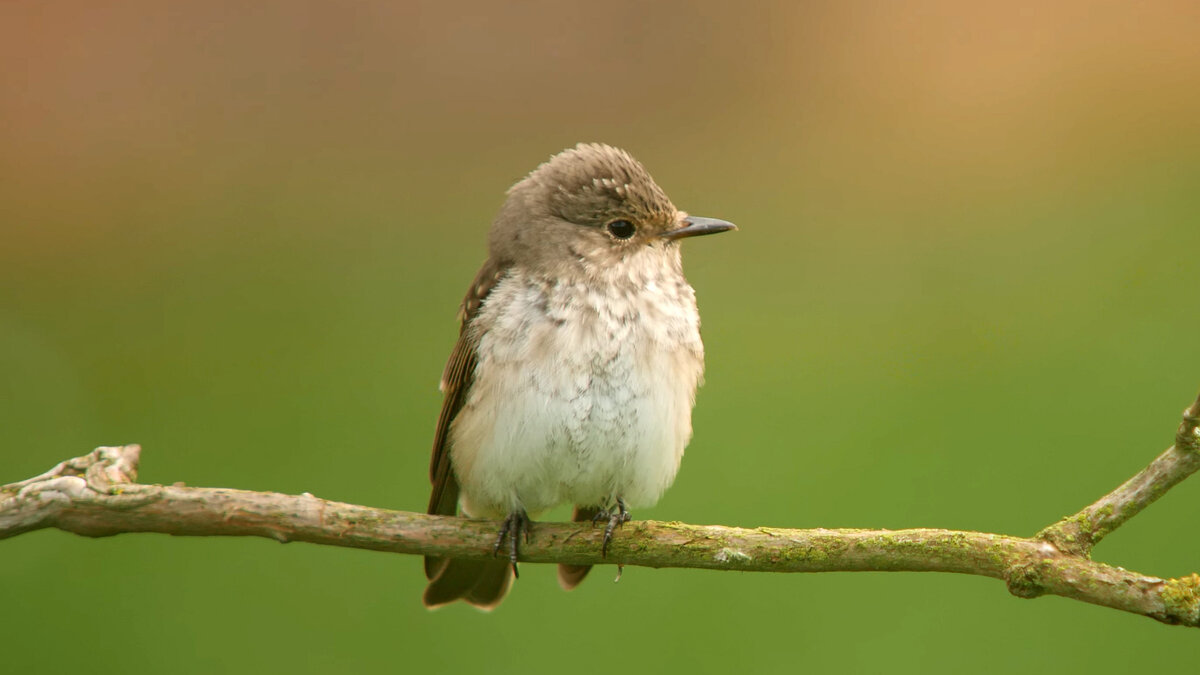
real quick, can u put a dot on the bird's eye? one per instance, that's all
(621, 229)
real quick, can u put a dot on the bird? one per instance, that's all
(576, 366)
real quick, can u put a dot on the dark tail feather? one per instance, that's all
(569, 576)
(434, 566)
(482, 583)
(443, 502)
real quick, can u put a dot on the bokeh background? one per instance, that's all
(964, 295)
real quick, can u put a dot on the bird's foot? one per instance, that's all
(615, 517)
(512, 527)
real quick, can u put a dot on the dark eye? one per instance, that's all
(621, 229)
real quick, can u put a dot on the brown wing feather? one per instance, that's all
(456, 381)
(444, 498)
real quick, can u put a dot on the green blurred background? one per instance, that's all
(964, 295)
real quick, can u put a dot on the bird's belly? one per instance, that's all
(574, 421)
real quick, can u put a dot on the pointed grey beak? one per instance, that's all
(694, 226)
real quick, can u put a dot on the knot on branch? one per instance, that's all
(1024, 580)
(107, 468)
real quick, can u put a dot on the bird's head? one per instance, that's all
(591, 205)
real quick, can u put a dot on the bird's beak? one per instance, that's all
(694, 226)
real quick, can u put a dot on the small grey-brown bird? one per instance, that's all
(576, 366)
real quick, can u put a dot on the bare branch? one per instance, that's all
(94, 496)
(1079, 533)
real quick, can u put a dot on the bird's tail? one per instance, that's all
(482, 583)
(569, 576)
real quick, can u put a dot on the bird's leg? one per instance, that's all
(615, 517)
(512, 527)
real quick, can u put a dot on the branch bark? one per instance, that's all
(97, 495)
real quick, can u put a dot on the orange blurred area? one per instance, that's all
(905, 102)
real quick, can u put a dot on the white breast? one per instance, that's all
(582, 393)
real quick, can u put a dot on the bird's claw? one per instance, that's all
(615, 517)
(512, 527)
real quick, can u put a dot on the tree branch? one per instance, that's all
(1079, 533)
(96, 495)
